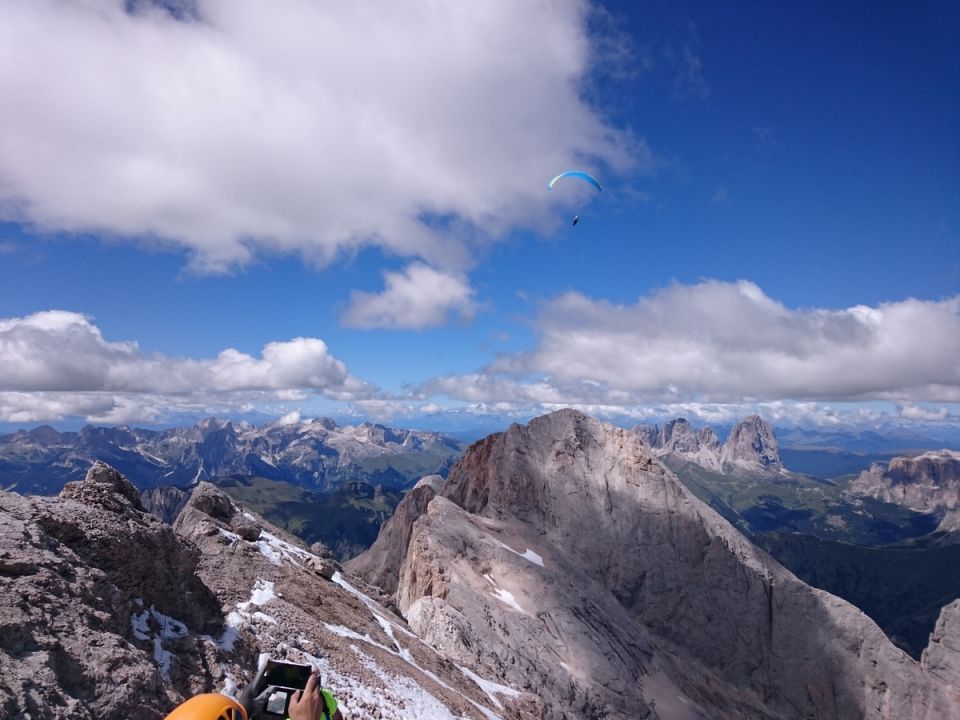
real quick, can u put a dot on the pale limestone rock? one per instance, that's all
(929, 482)
(751, 445)
(942, 656)
(565, 559)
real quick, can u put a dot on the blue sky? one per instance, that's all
(779, 229)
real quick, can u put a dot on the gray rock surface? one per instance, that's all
(165, 502)
(107, 613)
(929, 482)
(564, 558)
(751, 444)
(74, 571)
(942, 656)
(750, 448)
(381, 565)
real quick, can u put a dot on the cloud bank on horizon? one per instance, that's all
(707, 350)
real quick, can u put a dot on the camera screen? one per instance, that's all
(287, 675)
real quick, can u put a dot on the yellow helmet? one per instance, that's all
(209, 706)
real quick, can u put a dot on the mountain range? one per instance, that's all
(319, 455)
(561, 570)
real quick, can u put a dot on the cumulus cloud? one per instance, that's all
(914, 412)
(58, 364)
(231, 127)
(416, 298)
(719, 342)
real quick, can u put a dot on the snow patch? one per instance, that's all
(528, 554)
(532, 557)
(162, 628)
(276, 550)
(492, 689)
(233, 537)
(502, 595)
(246, 614)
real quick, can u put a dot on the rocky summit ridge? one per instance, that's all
(564, 558)
(107, 613)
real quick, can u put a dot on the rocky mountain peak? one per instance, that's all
(752, 442)
(45, 434)
(679, 436)
(565, 544)
(104, 487)
(708, 440)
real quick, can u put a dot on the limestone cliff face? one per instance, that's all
(942, 656)
(750, 448)
(752, 444)
(929, 482)
(563, 557)
(925, 483)
(381, 566)
(165, 502)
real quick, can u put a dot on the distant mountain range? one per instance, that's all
(318, 455)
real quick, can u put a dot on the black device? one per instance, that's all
(287, 678)
(292, 676)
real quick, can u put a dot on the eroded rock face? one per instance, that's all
(74, 573)
(165, 502)
(565, 558)
(752, 442)
(942, 656)
(381, 567)
(750, 448)
(107, 613)
(925, 483)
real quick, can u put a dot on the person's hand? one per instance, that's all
(255, 696)
(307, 704)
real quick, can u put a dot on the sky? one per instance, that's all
(263, 210)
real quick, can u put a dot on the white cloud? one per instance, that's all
(311, 127)
(416, 298)
(725, 343)
(914, 412)
(291, 418)
(58, 364)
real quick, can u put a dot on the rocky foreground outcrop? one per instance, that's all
(107, 613)
(563, 558)
(75, 572)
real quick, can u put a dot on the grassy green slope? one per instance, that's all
(802, 503)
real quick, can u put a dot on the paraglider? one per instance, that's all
(576, 174)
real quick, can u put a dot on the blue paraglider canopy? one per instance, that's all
(577, 174)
